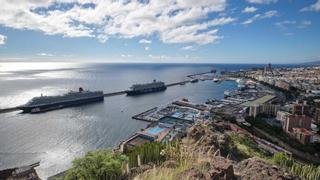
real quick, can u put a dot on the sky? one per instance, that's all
(160, 31)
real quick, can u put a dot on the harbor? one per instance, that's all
(232, 112)
(110, 119)
(193, 78)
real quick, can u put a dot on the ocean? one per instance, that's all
(55, 138)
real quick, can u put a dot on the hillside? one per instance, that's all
(211, 152)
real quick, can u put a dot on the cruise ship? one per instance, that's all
(154, 86)
(73, 98)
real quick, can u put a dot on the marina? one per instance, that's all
(116, 93)
(111, 119)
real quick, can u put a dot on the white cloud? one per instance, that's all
(45, 54)
(262, 1)
(176, 57)
(3, 39)
(147, 48)
(157, 57)
(126, 55)
(266, 15)
(313, 7)
(187, 48)
(289, 34)
(221, 21)
(284, 24)
(104, 19)
(145, 41)
(249, 9)
(304, 24)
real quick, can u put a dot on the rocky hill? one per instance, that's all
(210, 152)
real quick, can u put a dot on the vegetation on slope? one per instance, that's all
(98, 165)
(247, 146)
(304, 171)
(148, 152)
(208, 152)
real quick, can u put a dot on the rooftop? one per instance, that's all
(260, 101)
(303, 131)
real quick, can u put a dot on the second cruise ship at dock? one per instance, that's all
(154, 86)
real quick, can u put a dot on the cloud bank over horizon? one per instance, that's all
(185, 25)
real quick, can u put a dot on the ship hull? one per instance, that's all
(59, 105)
(145, 91)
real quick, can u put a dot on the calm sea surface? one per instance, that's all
(55, 138)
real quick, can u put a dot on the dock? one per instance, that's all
(191, 76)
(138, 116)
(114, 93)
(177, 83)
(6, 110)
(197, 74)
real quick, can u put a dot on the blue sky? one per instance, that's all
(191, 31)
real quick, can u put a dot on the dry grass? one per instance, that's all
(187, 155)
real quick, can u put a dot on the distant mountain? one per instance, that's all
(312, 63)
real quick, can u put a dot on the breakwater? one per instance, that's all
(11, 109)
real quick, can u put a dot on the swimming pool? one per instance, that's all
(155, 130)
(177, 115)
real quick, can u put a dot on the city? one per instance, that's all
(159, 90)
(276, 118)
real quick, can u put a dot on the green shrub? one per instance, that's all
(310, 172)
(98, 165)
(148, 152)
(247, 146)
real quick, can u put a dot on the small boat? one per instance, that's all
(194, 80)
(216, 80)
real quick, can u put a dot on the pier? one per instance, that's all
(197, 74)
(191, 76)
(6, 110)
(142, 115)
(114, 93)
(177, 83)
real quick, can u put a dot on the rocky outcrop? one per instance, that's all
(205, 156)
(214, 169)
(210, 135)
(255, 168)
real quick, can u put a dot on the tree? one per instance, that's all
(98, 165)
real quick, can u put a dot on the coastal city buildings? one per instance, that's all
(263, 105)
(317, 113)
(302, 135)
(304, 79)
(300, 108)
(296, 121)
(296, 117)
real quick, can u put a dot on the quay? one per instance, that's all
(114, 93)
(197, 74)
(6, 110)
(177, 83)
(142, 115)
(191, 76)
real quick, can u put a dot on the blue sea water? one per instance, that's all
(55, 138)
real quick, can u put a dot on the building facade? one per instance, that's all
(296, 121)
(303, 135)
(300, 108)
(317, 114)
